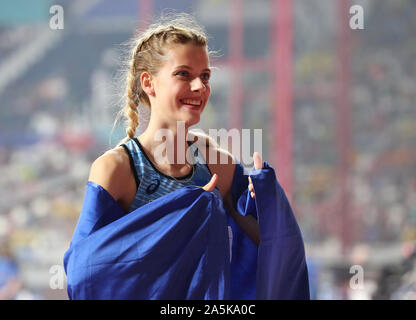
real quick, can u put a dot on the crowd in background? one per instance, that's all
(56, 118)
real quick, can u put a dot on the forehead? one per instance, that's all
(190, 55)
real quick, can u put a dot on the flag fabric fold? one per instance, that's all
(172, 248)
(177, 247)
(276, 269)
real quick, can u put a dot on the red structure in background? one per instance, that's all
(280, 66)
(145, 12)
(343, 123)
(236, 62)
(281, 92)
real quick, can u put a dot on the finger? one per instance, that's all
(252, 194)
(251, 188)
(258, 163)
(211, 184)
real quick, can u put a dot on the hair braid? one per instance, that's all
(132, 101)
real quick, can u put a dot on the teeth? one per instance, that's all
(193, 102)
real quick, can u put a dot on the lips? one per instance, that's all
(192, 102)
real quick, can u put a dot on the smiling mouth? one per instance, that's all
(191, 102)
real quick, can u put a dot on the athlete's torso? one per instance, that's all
(153, 184)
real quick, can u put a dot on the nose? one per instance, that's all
(197, 85)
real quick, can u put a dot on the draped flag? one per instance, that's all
(178, 246)
(280, 270)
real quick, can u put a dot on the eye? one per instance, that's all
(205, 77)
(183, 73)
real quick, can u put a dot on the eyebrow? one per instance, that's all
(188, 67)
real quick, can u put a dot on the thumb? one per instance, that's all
(258, 163)
(211, 184)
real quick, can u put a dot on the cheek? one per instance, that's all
(171, 94)
(207, 91)
(179, 89)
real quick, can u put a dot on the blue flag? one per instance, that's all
(178, 246)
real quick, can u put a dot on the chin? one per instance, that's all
(192, 121)
(192, 118)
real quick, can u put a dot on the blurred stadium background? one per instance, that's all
(336, 105)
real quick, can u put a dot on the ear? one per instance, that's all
(146, 82)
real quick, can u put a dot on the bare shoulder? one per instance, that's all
(219, 160)
(112, 171)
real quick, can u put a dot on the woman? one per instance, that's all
(170, 66)
(147, 229)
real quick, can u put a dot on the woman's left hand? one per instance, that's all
(258, 164)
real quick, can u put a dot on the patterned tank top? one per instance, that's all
(152, 184)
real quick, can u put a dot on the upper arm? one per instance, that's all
(226, 173)
(223, 163)
(112, 172)
(219, 161)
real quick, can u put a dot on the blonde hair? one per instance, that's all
(146, 53)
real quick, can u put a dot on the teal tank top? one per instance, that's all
(152, 184)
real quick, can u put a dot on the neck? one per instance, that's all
(166, 143)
